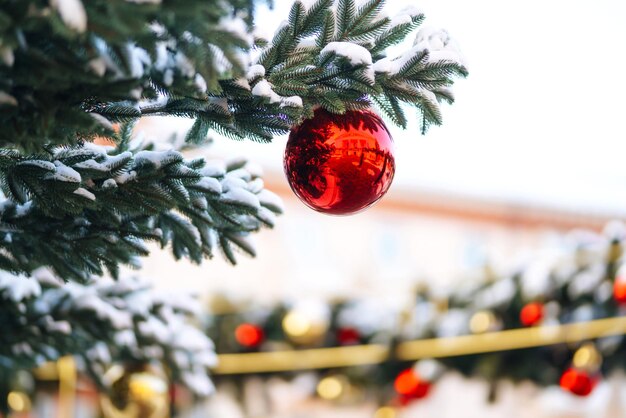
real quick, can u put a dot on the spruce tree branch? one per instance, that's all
(105, 323)
(84, 206)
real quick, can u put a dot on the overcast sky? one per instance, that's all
(541, 117)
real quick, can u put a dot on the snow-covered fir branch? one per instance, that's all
(103, 322)
(82, 210)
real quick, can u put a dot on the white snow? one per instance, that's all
(199, 383)
(115, 159)
(85, 193)
(162, 56)
(209, 185)
(72, 13)
(240, 173)
(255, 169)
(46, 165)
(292, 101)
(267, 216)
(18, 288)
(242, 82)
(90, 147)
(6, 55)
(238, 27)
(100, 352)
(263, 89)
(184, 65)
(62, 327)
(271, 201)
(7, 99)
(109, 183)
(535, 281)
(453, 323)
(233, 182)
(21, 210)
(64, 173)
(156, 329)
(213, 168)
(434, 40)
(401, 19)
(498, 294)
(246, 242)
(587, 280)
(92, 165)
(200, 82)
(255, 71)
(369, 316)
(240, 196)
(181, 359)
(255, 186)
(157, 158)
(445, 55)
(126, 177)
(168, 77)
(355, 54)
(126, 338)
(90, 302)
(386, 65)
(307, 43)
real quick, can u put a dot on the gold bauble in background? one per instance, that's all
(19, 401)
(483, 321)
(135, 392)
(587, 358)
(333, 387)
(303, 328)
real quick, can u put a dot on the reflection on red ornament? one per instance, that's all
(340, 164)
(531, 314)
(409, 386)
(578, 382)
(348, 336)
(249, 335)
(619, 290)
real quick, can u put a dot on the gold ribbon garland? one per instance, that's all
(334, 357)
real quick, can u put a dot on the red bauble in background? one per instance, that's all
(340, 164)
(619, 289)
(409, 386)
(249, 335)
(578, 382)
(348, 336)
(531, 314)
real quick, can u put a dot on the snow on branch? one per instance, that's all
(105, 322)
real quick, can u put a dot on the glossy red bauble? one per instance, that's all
(409, 386)
(619, 290)
(531, 314)
(578, 382)
(249, 335)
(340, 164)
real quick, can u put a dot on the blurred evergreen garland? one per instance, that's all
(584, 279)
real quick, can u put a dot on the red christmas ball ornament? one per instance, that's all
(619, 289)
(249, 335)
(531, 314)
(340, 164)
(578, 382)
(410, 386)
(348, 336)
